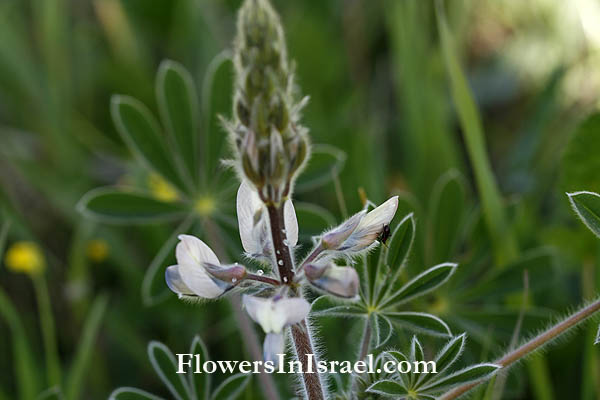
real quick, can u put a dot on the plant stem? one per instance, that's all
(264, 279)
(366, 340)
(249, 336)
(48, 331)
(532, 345)
(300, 332)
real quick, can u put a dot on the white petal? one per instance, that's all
(339, 281)
(248, 205)
(335, 237)
(197, 279)
(272, 347)
(371, 225)
(291, 223)
(295, 309)
(174, 281)
(274, 315)
(191, 250)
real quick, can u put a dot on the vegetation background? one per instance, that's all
(381, 92)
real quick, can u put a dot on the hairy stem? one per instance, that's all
(366, 340)
(532, 345)
(264, 279)
(249, 336)
(300, 333)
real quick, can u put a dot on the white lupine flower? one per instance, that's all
(273, 315)
(335, 237)
(189, 277)
(370, 226)
(253, 222)
(336, 280)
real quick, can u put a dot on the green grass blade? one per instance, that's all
(505, 246)
(83, 356)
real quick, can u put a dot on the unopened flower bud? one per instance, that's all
(338, 281)
(231, 274)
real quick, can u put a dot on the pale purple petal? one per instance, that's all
(371, 226)
(174, 281)
(249, 213)
(191, 250)
(335, 237)
(273, 346)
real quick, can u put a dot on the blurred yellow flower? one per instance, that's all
(161, 189)
(25, 257)
(205, 206)
(97, 250)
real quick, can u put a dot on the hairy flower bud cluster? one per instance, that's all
(271, 145)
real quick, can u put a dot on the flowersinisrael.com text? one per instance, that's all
(187, 362)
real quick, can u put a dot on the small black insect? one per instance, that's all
(385, 234)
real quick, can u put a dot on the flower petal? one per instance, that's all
(273, 346)
(371, 226)
(191, 250)
(291, 223)
(274, 314)
(250, 219)
(174, 281)
(335, 237)
(338, 281)
(196, 278)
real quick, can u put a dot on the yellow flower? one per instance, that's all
(161, 189)
(97, 250)
(205, 206)
(25, 257)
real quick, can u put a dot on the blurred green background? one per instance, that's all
(381, 91)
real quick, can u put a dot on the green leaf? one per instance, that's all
(421, 322)
(447, 204)
(587, 207)
(200, 383)
(130, 393)
(112, 205)
(154, 289)
(232, 387)
(178, 104)
(505, 247)
(85, 349)
(313, 219)
(25, 366)
(217, 98)
(469, 374)
(3, 236)
(324, 306)
(400, 244)
(580, 165)
(142, 134)
(450, 353)
(387, 388)
(416, 350)
(325, 162)
(597, 341)
(165, 365)
(421, 284)
(383, 329)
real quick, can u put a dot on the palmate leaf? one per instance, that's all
(382, 329)
(419, 322)
(165, 365)
(217, 90)
(587, 207)
(142, 134)
(130, 393)
(447, 213)
(469, 374)
(387, 388)
(421, 284)
(325, 162)
(232, 387)
(117, 206)
(178, 104)
(200, 383)
(400, 244)
(325, 306)
(450, 353)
